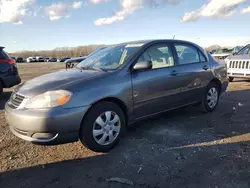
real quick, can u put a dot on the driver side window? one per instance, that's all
(160, 55)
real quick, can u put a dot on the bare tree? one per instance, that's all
(59, 52)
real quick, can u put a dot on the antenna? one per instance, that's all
(174, 37)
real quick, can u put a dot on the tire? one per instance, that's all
(1, 88)
(103, 129)
(213, 91)
(231, 79)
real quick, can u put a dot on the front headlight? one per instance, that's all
(49, 99)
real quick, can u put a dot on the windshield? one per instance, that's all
(245, 50)
(110, 58)
(222, 51)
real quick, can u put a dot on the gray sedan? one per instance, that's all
(104, 94)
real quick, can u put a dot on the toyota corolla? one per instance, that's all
(96, 100)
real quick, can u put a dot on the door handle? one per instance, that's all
(174, 73)
(205, 67)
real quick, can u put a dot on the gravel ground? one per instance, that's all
(182, 148)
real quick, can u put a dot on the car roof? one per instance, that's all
(153, 40)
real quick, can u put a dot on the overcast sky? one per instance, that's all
(47, 24)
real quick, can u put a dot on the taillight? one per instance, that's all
(10, 61)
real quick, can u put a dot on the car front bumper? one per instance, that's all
(48, 126)
(238, 73)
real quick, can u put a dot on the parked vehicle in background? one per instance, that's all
(212, 51)
(222, 53)
(20, 60)
(31, 59)
(97, 99)
(46, 59)
(52, 60)
(239, 64)
(39, 59)
(8, 71)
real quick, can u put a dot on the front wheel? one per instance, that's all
(102, 127)
(210, 98)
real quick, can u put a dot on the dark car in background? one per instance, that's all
(20, 60)
(97, 99)
(8, 71)
(52, 60)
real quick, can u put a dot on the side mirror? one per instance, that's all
(143, 65)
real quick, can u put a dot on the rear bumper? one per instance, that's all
(47, 126)
(10, 81)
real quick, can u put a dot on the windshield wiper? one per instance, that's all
(92, 68)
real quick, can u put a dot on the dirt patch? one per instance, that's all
(183, 148)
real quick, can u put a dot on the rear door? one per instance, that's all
(157, 89)
(194, 71)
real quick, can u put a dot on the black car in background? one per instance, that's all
(52, 60)
(20, 60)
(8, 71)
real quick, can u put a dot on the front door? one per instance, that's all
(157, 89)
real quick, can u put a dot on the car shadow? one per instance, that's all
(152, 168)
(4, 97)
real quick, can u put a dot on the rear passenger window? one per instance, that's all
(160, 55)
(187, 54)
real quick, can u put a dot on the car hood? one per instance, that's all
(240, 57)
(54, 80)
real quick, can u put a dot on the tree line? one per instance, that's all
(59, 52)
(71, 52)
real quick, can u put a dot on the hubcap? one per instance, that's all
(212, 97)
(106, 128)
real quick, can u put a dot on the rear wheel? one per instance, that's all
(102, 127)
(231, 79)
(210, 98)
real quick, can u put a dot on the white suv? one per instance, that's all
(239, 64)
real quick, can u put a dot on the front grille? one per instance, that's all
(239, 64)
(16, 99)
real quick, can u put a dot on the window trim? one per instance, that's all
(149, 46)
(187, 44)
